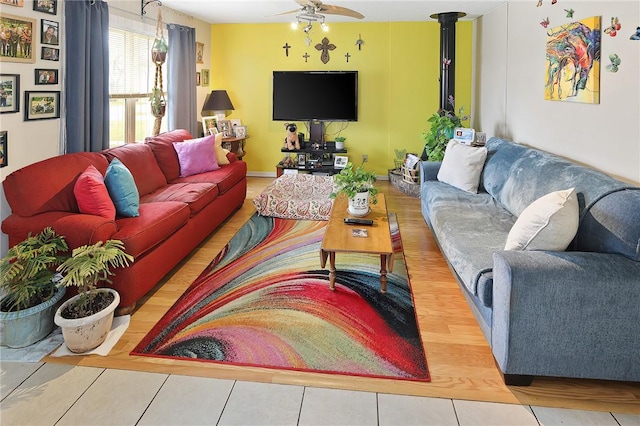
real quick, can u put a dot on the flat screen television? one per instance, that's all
(315, 95)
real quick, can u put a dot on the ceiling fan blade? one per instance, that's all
(339, 10)
(287, 13)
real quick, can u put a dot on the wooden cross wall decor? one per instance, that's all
(286, 47)
(325, 47)
(305, 56)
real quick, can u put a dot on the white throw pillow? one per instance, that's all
(462, 166)
(549, 223)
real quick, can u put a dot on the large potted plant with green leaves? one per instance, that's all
(86, 318)
(30, 295)
(443, 122)
(357, 185)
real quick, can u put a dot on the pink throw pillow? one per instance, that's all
(196, 156)
(92, 195)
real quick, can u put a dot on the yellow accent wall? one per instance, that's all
(398, 82)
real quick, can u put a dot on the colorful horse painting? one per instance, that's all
(573, 62)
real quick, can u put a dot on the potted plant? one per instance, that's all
(340, 142)
(158, 103)
(27, 280)
(357, 185)
(159, 50)
(86, 318)
(437, 137)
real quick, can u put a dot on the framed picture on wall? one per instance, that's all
(197, 79)
(49, 33)
(46, 76)
(16, 3)
(41, 105)
(46, 6)
(9, 93)
(205, 77)
(18, 52)
(199, 53)
(50, 54)
(3, 149)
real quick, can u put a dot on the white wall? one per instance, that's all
(32, 141)
(511, 72)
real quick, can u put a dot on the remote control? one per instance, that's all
(353, 221)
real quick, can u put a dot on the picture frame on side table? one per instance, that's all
(340, 161)
(50, 54)
(46, 6)
(9, 93)
(41, 105)
(46, 76)
(224, 127)
(49, 32)
(25, 25)
(209, 125)
(4, 149)
(240, 131)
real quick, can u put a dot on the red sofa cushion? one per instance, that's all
(92, 195)
(47, 185)
(140, 161)
(157, 221)
(225, 177)
(196, 195)
(165, 154)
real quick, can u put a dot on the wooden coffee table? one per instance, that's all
(338, 237)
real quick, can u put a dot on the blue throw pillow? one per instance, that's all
(122, 189)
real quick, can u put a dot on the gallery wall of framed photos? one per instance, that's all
(30, 81)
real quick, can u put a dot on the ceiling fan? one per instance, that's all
(312, 10)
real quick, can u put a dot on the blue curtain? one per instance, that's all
(87, 75)
(181, 79)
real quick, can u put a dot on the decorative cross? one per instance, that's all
(348, 55)
(325, 47)
(286, 47)
(305, 56)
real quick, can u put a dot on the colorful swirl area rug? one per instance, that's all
(264, 301)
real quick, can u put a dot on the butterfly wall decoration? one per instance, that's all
(615, 62)
(615, 26)
(545, 23)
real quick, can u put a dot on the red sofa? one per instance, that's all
(176, 213)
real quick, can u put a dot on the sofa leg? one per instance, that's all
(517, 379)
(125, 310)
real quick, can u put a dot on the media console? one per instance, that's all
(312, 160)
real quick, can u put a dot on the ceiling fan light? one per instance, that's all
(294, 25)
(325, 27)
(307, 28)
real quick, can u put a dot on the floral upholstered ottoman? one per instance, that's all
(300, 196)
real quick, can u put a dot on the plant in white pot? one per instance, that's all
(30, 295)
(357, 185)
(339, 142)
(86, 318)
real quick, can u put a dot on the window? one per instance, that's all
(131, 75)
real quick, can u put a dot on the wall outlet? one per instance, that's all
(365, 158)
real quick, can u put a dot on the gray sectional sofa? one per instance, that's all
(574, 313)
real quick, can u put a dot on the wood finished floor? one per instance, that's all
(458, 356)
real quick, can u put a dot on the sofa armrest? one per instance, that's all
(569, 314)
(429, 170)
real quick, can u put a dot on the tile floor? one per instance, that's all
(52, 394)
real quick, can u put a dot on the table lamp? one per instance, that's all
(217, 101)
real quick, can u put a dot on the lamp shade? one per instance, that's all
(217, 100)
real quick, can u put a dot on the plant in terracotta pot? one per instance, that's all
(357, 185)
(437, 137)
(159, 51)
(27, 280)
(158, 102)
(86, 318)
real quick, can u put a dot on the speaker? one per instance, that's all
(316, 132)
